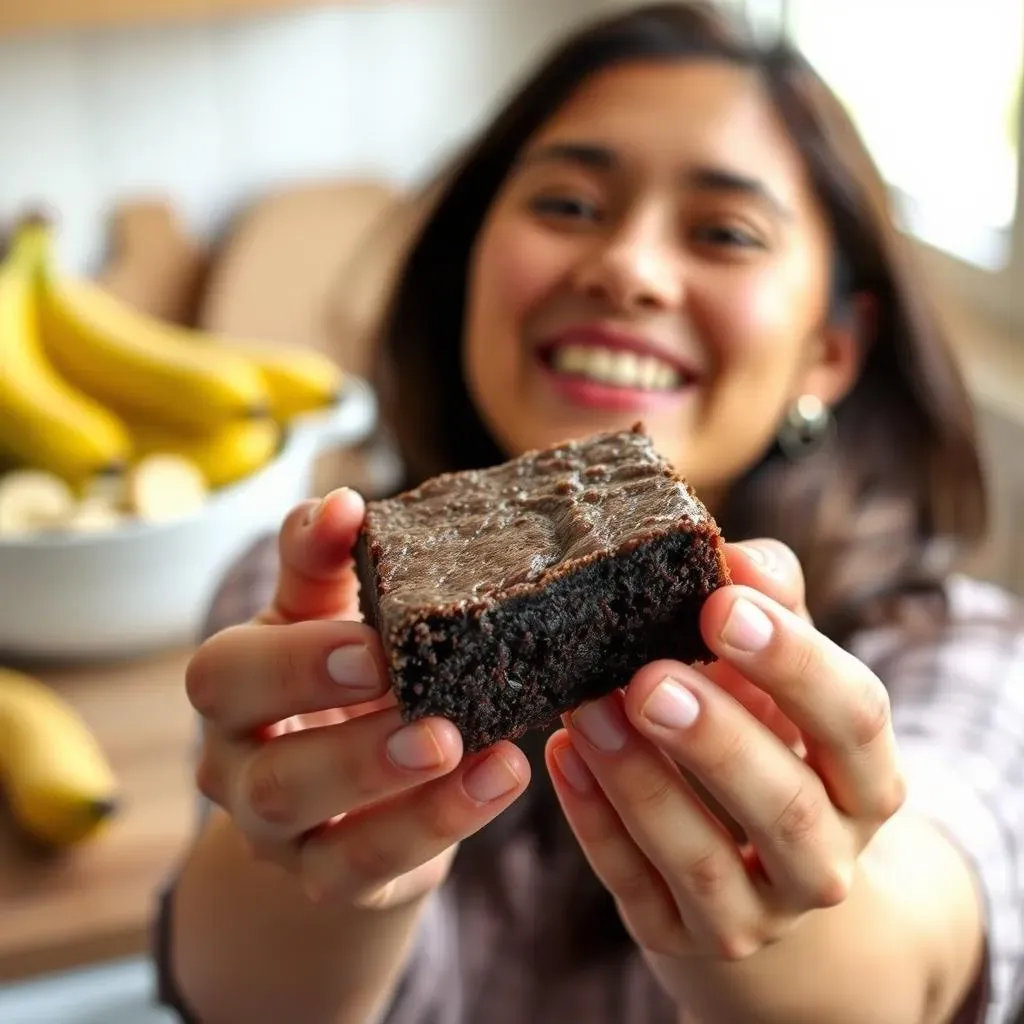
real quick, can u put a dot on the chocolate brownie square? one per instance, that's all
(507, 596)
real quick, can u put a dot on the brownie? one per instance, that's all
(509, 595)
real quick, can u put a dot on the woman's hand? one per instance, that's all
(788, 734)
(305, 749)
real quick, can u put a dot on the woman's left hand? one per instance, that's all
(788, 733)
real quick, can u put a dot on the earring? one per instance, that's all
(806, 428)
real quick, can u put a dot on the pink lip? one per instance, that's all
(590, 394)
(597, 336)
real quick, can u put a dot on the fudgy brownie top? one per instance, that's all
(466, 538)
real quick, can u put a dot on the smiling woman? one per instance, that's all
(666, 222)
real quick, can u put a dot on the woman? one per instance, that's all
(669, 224)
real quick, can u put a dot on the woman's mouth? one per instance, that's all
(608, 371)
(616, 367)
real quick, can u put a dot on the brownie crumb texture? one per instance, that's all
(508, 596)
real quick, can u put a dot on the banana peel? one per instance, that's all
(137, 365)
(299, 380)
(59, 786)
(45, 422)
(224, 456)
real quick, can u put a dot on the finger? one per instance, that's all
(838, 703)
(759, 703)
(692, 851)
(316, 580)
(300, 780)
(213, 767)
(355, 858)
(771, 567)
(644, 901)
(776, 798)
(249, 677)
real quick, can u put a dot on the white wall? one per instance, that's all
(211, 114)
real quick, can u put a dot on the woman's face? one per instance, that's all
(657, 254)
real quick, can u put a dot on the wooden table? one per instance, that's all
(97, 901)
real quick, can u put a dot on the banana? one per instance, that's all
(45, 422)
(95, 514)
(224, 456)
(162, 487)
(32, 501)
(298, 379)
(138, 365)
(60, 787)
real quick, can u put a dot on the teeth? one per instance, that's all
(622, 369)
(650, 372)
(627, 367)
(600, 364)
(571, 359)
(666, 377)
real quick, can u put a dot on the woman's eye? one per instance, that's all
(572, 207)
(731, 235)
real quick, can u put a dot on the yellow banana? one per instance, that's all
(299, 379)
(138, 365)
(57, 780)
(45, 422)
(224, 456)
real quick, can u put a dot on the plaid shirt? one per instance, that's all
(958, 709)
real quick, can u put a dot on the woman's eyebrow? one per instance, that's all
(585, 154)
(720, 179)
(595, 156)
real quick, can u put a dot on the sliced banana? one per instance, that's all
(96, 514)
(33, 501)
(163, 487)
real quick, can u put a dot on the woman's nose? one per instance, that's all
(634, 271)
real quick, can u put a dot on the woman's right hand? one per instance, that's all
(304, 746)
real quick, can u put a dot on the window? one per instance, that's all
(935, 90)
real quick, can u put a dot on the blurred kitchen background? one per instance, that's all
(251, 166)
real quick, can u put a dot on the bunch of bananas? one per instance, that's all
(55, 776)
(94, 391)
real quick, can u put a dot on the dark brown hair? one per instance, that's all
(877, 516)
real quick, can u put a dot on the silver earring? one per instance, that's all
(806, 428)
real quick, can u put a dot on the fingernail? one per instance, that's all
(574, 768)
(414, 747)
(317, 510)
(491, 778)
(671, 706)
(353, 667)
(747, 628)
(764, 558)
(602, 724)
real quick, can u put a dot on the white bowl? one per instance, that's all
(145, 587)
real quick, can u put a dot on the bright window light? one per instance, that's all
(935, 89)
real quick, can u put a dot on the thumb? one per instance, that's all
(316, 578)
